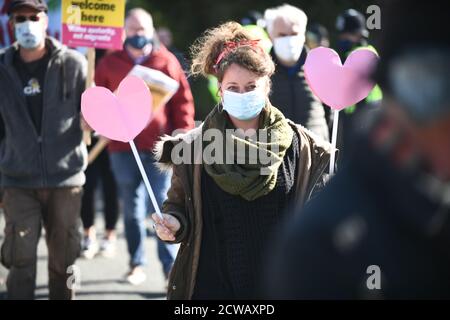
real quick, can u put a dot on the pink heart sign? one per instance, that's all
(340, 86)
(121, 116)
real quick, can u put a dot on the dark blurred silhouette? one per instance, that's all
(381, 228)
(165, 36)
(286, 26)
(317, 36)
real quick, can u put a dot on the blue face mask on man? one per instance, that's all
(138, 42)
(244, 106)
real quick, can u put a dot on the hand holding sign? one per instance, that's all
(121, 117)
(339, 86)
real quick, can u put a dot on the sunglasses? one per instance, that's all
(20, 19)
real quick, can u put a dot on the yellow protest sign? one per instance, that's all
(93, 23)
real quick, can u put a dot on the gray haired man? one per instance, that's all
(286, 26)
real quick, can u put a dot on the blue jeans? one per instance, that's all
(137, 204)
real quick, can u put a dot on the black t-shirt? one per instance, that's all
(32, 75)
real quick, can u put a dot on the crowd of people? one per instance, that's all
(250, 209)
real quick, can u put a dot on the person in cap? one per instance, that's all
(42, 155)
(390, 238)
(353, 35)
(317, 36)
(253, 17)
(352, 31)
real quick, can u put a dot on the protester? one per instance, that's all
(381, 229)
(223, 210)
(54, 22)
(42, 154)
(99, 171)
(141, 47)
(286, 26)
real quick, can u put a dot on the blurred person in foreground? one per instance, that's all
(390, 238)
(286, 26)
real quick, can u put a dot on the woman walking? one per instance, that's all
(224, 208)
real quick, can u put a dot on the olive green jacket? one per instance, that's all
(185, 199)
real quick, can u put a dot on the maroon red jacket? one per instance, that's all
(178, 113)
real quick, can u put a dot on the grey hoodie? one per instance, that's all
(56, 156)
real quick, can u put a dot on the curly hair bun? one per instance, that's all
(216, 42)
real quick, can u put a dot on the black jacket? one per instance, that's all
(56, 156)
(370, 216)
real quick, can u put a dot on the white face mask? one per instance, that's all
(244, 106)
(29, 34)
(288, 49)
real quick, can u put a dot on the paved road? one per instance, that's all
(101, 278)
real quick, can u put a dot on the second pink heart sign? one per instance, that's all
(340, 86)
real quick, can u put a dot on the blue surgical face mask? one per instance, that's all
(29, 34)
(244, 106)
(138, 42)
(345, 45)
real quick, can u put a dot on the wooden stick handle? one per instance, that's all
(89, 83)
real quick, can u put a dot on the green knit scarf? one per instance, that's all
(248, 175)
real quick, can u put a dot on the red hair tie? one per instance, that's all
(233, 45)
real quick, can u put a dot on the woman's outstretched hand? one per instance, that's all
(167, 227)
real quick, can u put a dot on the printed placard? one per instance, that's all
(93, 23)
